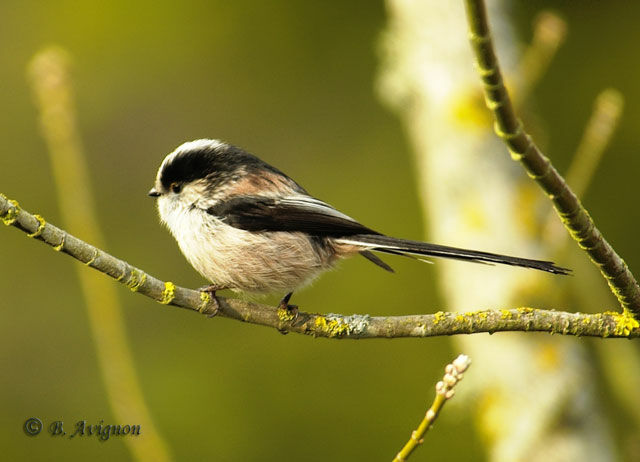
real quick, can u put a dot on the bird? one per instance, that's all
(244, 225)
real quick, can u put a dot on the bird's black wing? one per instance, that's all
(293, 213)
(316, 218)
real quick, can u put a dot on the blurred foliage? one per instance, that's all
(293, 82)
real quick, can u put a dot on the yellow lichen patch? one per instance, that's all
(332, 327)
(11, 215)
(41, 226)
(468, 317)
(526, 310)
(625, 322)
(285, 315)
(205, 297)
(169, 293)
(439, 316)
(506, 314)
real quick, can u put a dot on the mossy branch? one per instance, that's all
(522, 148)
(607, 324)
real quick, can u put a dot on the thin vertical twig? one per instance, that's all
(597, 135)
(549, 32)
(49, 74)
(603, 122)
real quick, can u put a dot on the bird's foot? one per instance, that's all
(286, 312)
(292, 310)
(211, 291)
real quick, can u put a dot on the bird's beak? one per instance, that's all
(153, 193)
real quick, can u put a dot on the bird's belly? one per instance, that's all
(257, 262)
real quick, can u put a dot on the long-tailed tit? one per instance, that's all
(246, 226)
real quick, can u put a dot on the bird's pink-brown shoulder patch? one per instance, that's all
(258, 184)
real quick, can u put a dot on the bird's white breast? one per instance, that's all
(243, 260)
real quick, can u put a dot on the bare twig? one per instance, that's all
(607, 324)
(508, 127)
(444, 392)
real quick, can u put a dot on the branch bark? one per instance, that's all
(525, 319)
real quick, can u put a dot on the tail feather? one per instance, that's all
(393, 245)
(373, 258)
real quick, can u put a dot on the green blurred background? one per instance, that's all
(293, 82)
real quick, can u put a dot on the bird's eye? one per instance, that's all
(175, 187)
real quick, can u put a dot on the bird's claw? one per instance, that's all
(290, 309)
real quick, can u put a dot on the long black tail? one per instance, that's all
(396, 246)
